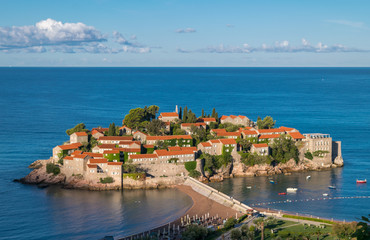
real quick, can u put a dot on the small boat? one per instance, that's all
(361, 181)
(332, 187)
(308, 177)
(325, 194)
(249, 187)
(282, 193)
(291, 189)
(272, 181)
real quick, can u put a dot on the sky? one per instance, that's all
(191, 33)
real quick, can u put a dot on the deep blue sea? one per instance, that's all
(37, 105)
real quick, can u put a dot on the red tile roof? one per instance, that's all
(76, 152)
(233, 117)
(224, 134)
(174, 148)
(169, 114)
(115, 163)
(193, 124)
(102, 130)
(207, 119)
(148, 146)
(296, 135)
(111, 151)
(269, 136)
(101, 160)
(218, 130)
(68, 158)
(129, 149)
(287, 129)
(80, 134)
(115, 138)
(227, 141)
(249, 132)
(136, 156)
(80, 155)
(206, 144)
(172, 153)
(106, 146)
(260, 145)
(161, 138)
(272, 130)
(91, 165)
(94, 155)
(70, 146)
(140, 132)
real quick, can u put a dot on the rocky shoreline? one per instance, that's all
(40, 177)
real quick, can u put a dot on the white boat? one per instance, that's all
(291, 189)
(249, 187)
(325, 194)
(308, 177)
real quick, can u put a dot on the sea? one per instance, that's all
(37, 105)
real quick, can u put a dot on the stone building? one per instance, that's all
(124, 130)
(140, 136)
(169, 117)
(64, 150)
(261, 149)
(187, 126)
(320, 146)
(207, 120)
(172, 140)
(79, 137)
(236, 120)
(113, 139)
(216, 146)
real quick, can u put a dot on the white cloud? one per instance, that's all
(55, 36)
(186, 30)
(279, 47)
(349, 23)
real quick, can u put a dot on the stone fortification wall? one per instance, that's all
(167, 169)
(216, 196)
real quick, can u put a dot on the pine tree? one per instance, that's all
(180, 113)
(213, 113)
(112, 130)
(185, 114)
(203, 113)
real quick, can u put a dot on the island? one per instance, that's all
(155, 152)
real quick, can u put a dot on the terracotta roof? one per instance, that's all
(172, 153)
(94, 132)
(94, 155)
(206, 144)
(296, 135)
(91, 165)
(169, 114)
(207, 119)
(140, 132)
(222, 134)
(101, 160)
(105, 146)
(287, 129)
(80, 156)
(80, 134)
(227, 141)
(174, 148)
(76, 152)
(70, 146)
(68, 158)
(129, 149)
(249, 132)
(269, 136)
(232, 116)
(224, 117)
(136, 156)
(148, 146)
(117, 138)
(111, 151)
(272, 130)
(214, 141)
(193, 124)
(115, 163)
(218, 130)
(161, 138)
(102, 130)
(260, 145)
(124, 127)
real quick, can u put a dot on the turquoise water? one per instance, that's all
(38, 104)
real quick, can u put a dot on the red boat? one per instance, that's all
(282, 193)
(361, 181)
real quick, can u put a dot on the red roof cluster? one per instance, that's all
(80, 134)
(296, 135)
(115, 138)
(193, 124)
(169, 137)
(260, 145)
(169, 114)
(70, 146)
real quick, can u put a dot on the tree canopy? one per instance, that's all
(266, 123)
(78, 128)
(139, 118)
(156, 127)
(284, 149)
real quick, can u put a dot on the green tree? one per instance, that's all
(156, 127)
(51, 168)
(344, 230)
(236, 234)
(179, 131)
(203, 113)
(191, 117)
(230, 223)
(266, 123)
(139, 118)
(194, 232)
(78, 128)
(180, 113)
(363, 229)
(194, 174)
(244, 143)
(185, 114)
(213, 113)
(308, 155)
(112, 130)
(283, 149)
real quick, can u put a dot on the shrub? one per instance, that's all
(106, 180)
(236, 234)
(191, 165)
(230, 223)
(242, 218)
(194, 232)
(308, 155)
(135, 176)
(51, 168)
(194, 174)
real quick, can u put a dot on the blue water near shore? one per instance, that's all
(37, 105)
